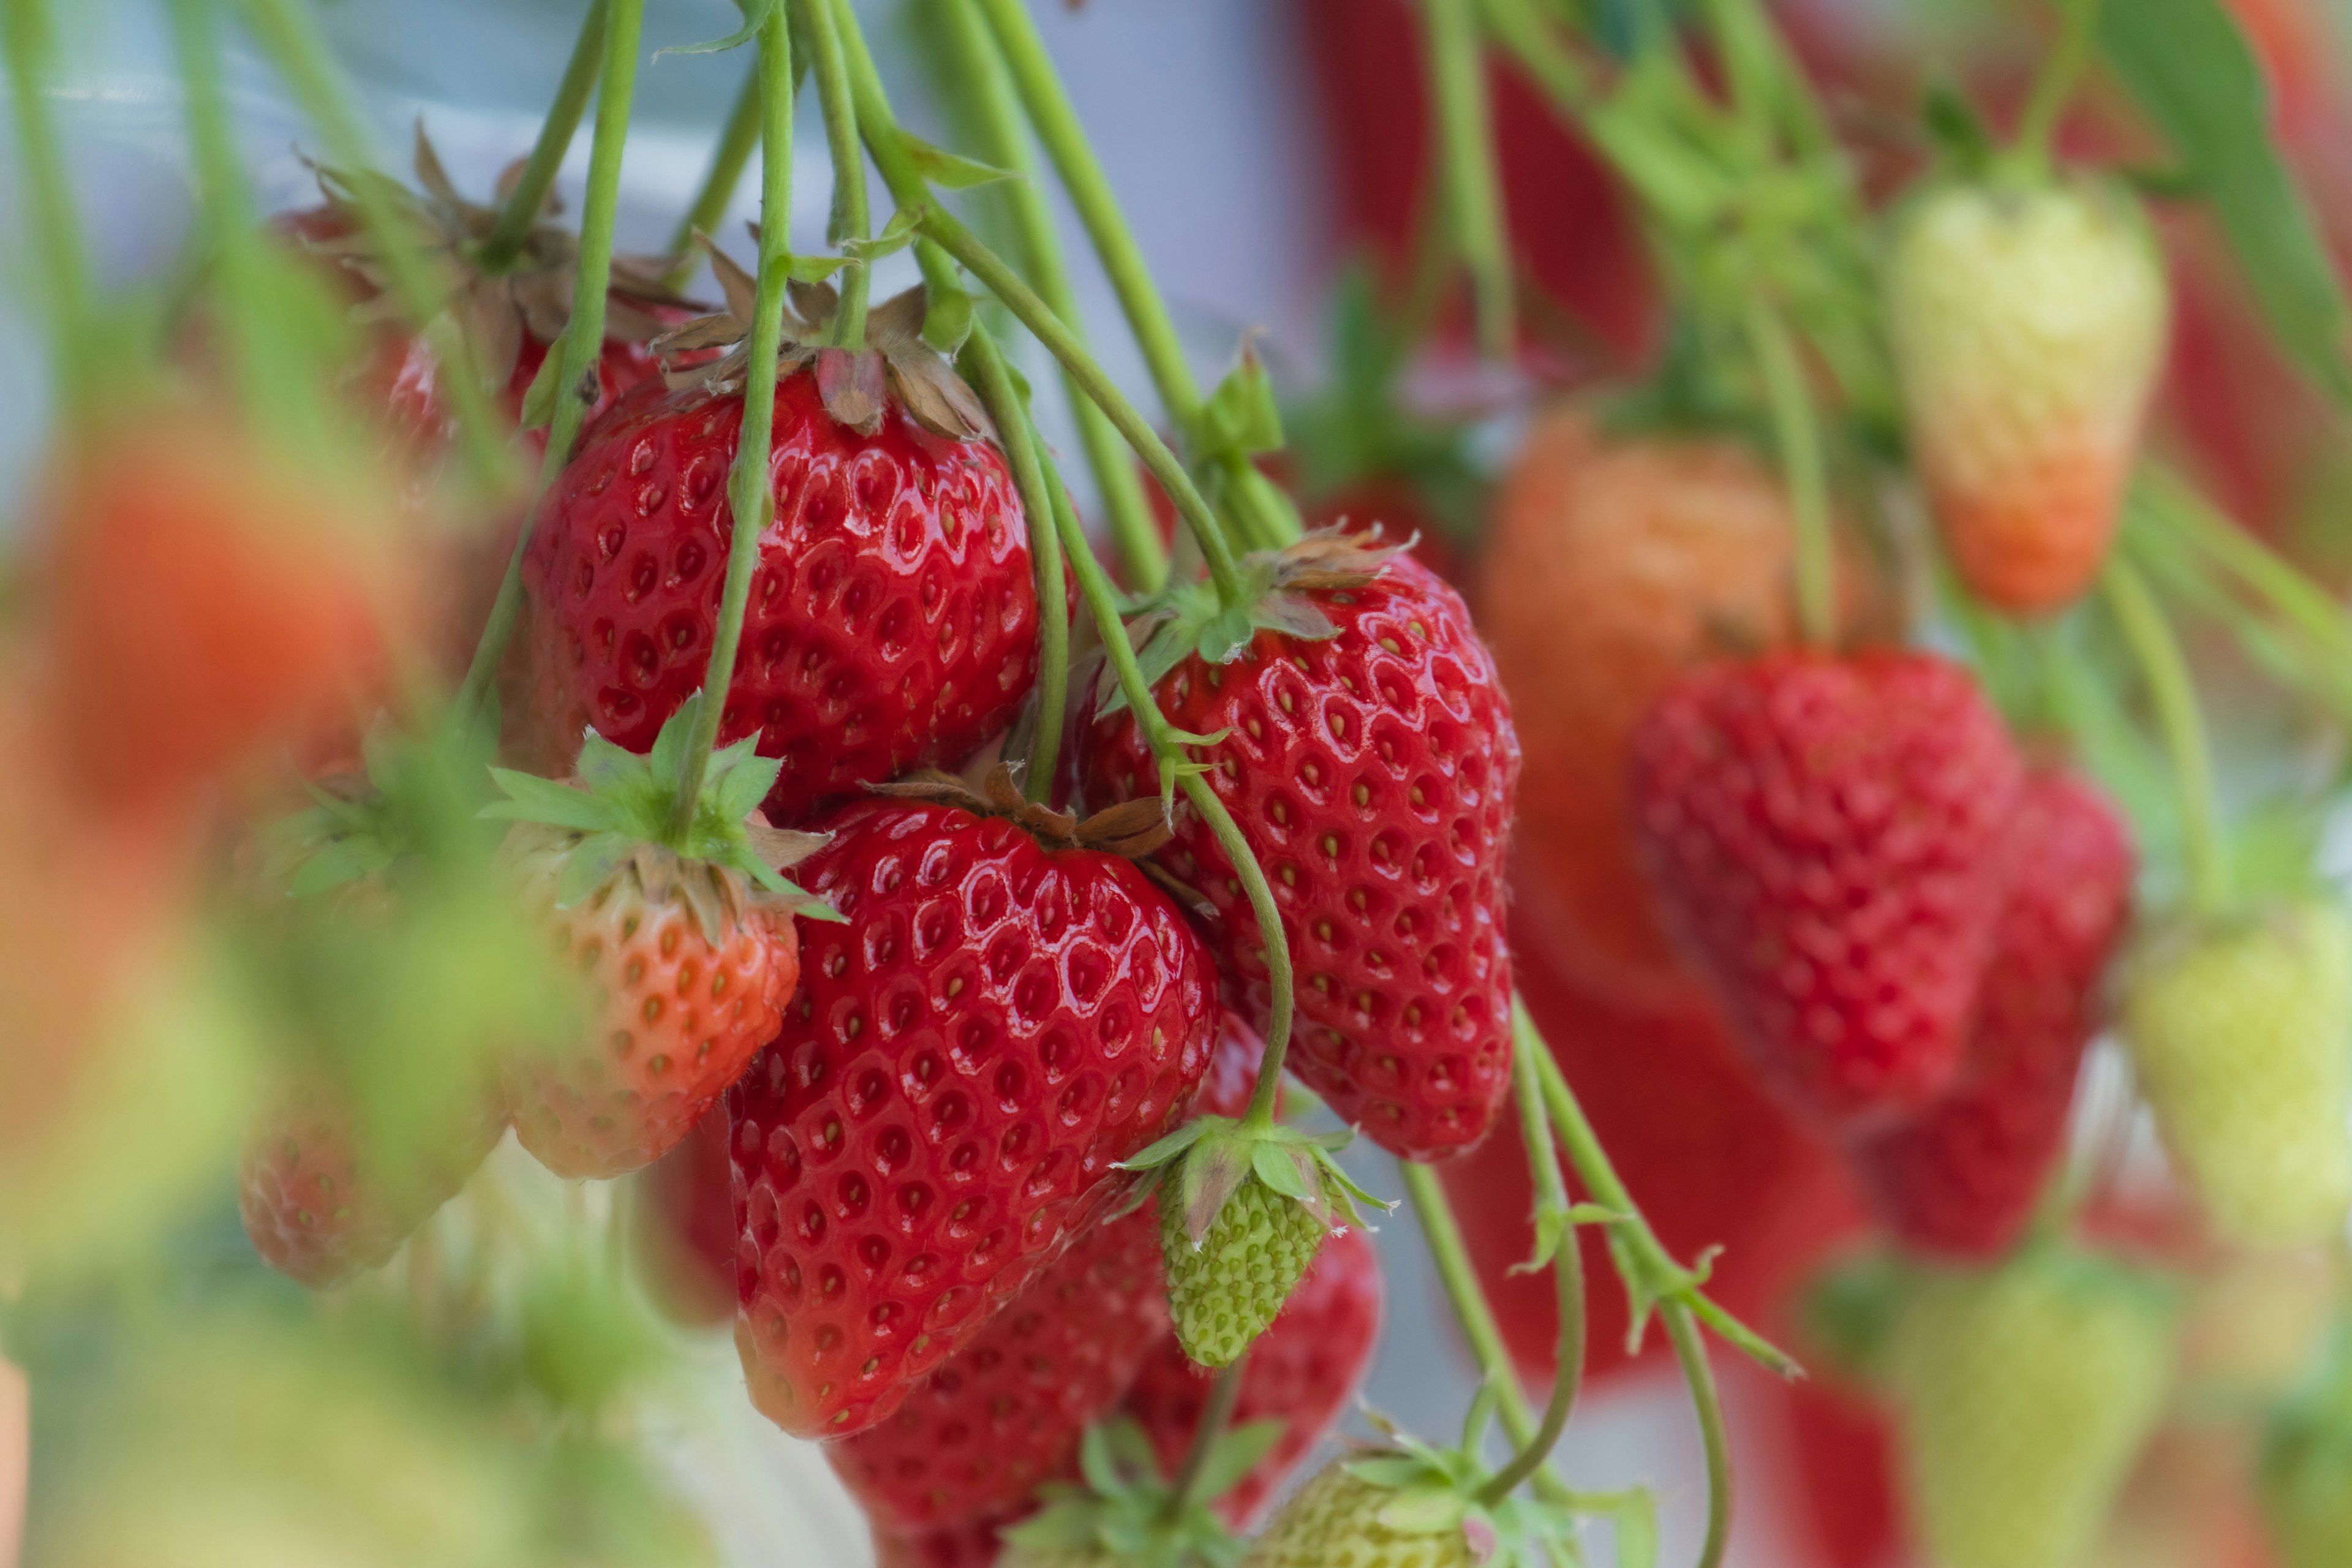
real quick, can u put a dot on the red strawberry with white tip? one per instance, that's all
(1822, 833)
(1006, 1015)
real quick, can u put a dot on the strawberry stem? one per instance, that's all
(2162, 499)
(1797, 433)
(292, 38)
(2054, 87)
(1216, 1415)
(1003, 140)
(50, 217)
(503, 245)
(1064, 345)
(850, 220)
(747, 483)
(1466, 166)
(1568, 1279)
(2180, 720)
(994, 382)
(1270, 517)
(727, 161)
(582, 346)
(1690, 1353)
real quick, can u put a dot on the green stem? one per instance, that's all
(850, 220)
(1466, 162)
(1691, 1354)
(503, 245)
(1796, 433)
(285, 28)
(50, 218)
(749, 495)
(1004, 142)
(727, 161)
(1215, 1416)
(1064, 345)
(2054, 86)
(2162, 498)
(994, 382)
(1567, 1278)
(2178, 717)
(582, 344)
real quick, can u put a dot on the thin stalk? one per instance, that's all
(727, 161)
(1061, 342)
(584, 340)
(2179, 718)
(1463, 123)
(286, 29)
(1691, 1354)
(503, 245)
(900, 172)
(1103, 606)
(1215, 1416)
(1148, 317)
(50, 218)
(1568, 1279)
(749, 493)
(1797, 432)
(994, 382)
(2054, 86)
(1005, 141)
(850, 219)
(2165, 499)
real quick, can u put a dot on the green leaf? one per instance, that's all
(531, 798)
(1175, 1143)
(2191, 71)
(603, 765)
(1953, 123)
(344, 861)
(1242, 414)
(1223, 637)
(1637, 1531)
(956, 173)
(1235, 1454)
(539, 398)
(947, 322)
(1425, 1510)
(1097, 1461)
(668, 758)
(895, 236)
(1389, 1471)
(1279, 1171)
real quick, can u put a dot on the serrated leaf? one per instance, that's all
(1168, 1148)
(1279, 1169)
(2190, 68)
(1242, 414)
(1424, 1511)
(531, 798)
(956, 173)
(667, 758)
(603, 765)
(1236, 1453)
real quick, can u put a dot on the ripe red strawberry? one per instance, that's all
(893, 620)
(973, 1545)
(1371, 772)
(1301, 1371)
(1006, 1412)
(686, 1227)
(1962, 1177)
(199, 605)
(1713, 1160)
(996, 1027)
(1820, 831)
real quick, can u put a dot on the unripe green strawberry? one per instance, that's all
(1334, 1522)
(2242, 1038)
(2028, 323)
(1224, 1291)
(2024, 1395)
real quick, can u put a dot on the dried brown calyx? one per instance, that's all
(1132, 829)
(856, 385)
(494, 310)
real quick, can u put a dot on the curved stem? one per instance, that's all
(1466, 162)
(50, 220)
(994, 382)
(1691, 1355)
(1568, 1279)
(1215, 1416)
(301, 55)
(501, 246)
(1797, 435)
(749, 491)
(728, 161)
(582, 344)
(1004, 141)
(1064, 345)
(2174, 697)
(850, 221)
(2078, 29)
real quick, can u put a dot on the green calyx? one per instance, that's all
(1187, 618)
(623, 804)
(412, 802)
(1427, 1491)
(1128, 1512)
(1243, 1210)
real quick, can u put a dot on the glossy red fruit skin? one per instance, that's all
(974, 1545)
(1302, 1371)
(1962, 1178)
(893, 621)
(1006, 1412)
(1822, 832)
(993, 1027)
(686, 1229)
(1372, 775)
(1713, 1160)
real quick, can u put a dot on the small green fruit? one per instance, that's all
(1334, 1522)
(1224, 1292)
